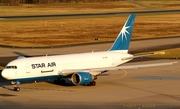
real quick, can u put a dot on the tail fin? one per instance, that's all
(124, 37)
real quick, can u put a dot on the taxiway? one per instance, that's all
(146, 88)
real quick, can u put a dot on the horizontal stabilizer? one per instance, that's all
(140, 56)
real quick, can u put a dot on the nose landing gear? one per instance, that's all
(15, 83)
(16, 88)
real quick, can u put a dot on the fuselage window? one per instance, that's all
(11, 67)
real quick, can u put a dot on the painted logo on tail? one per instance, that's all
(123, 40)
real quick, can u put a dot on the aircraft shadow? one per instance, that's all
(11, 89)
(68, 82)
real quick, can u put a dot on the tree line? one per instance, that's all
(18, 2)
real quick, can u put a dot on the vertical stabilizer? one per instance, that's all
(123, 39)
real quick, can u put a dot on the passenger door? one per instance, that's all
(27, 68)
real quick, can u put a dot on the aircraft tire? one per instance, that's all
(16, 89)
(93, 83)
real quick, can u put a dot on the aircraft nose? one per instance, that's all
(4, 74)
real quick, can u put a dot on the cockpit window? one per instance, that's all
(11, 67)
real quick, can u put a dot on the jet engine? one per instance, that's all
(82, 78)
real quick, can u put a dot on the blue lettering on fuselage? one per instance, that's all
(43, 65)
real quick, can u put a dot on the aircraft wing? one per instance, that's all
(104, 69)
(140, 66)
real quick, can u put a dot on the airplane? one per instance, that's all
(81, 68)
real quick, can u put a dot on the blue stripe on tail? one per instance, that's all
(124, 37)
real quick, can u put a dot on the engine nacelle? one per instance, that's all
(82, 78)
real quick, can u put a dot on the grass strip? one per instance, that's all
(68, 8)
(169, 54)
(53, 32)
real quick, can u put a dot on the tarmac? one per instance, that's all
(146, 88)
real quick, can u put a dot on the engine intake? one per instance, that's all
(82, 78)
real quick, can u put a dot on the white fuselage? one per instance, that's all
(53, 65)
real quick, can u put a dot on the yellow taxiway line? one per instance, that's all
(125, 73)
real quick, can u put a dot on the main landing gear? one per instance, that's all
(93, 83)
(16, 88)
